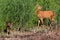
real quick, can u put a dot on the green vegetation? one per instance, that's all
(22, 12)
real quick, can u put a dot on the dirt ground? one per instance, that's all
(35, 34)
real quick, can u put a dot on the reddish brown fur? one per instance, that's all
(44, 14)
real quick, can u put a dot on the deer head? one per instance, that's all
(38, 7)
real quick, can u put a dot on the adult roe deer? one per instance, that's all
(44, 14)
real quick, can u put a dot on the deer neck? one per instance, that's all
(38, 10)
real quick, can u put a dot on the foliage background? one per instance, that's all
(22, 12)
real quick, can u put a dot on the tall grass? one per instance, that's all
(22, 12)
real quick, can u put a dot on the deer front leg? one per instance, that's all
(38, 22)
(41, 20)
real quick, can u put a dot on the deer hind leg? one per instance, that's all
(51, 20)
(50, 28)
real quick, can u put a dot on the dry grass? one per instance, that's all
(38, 33)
